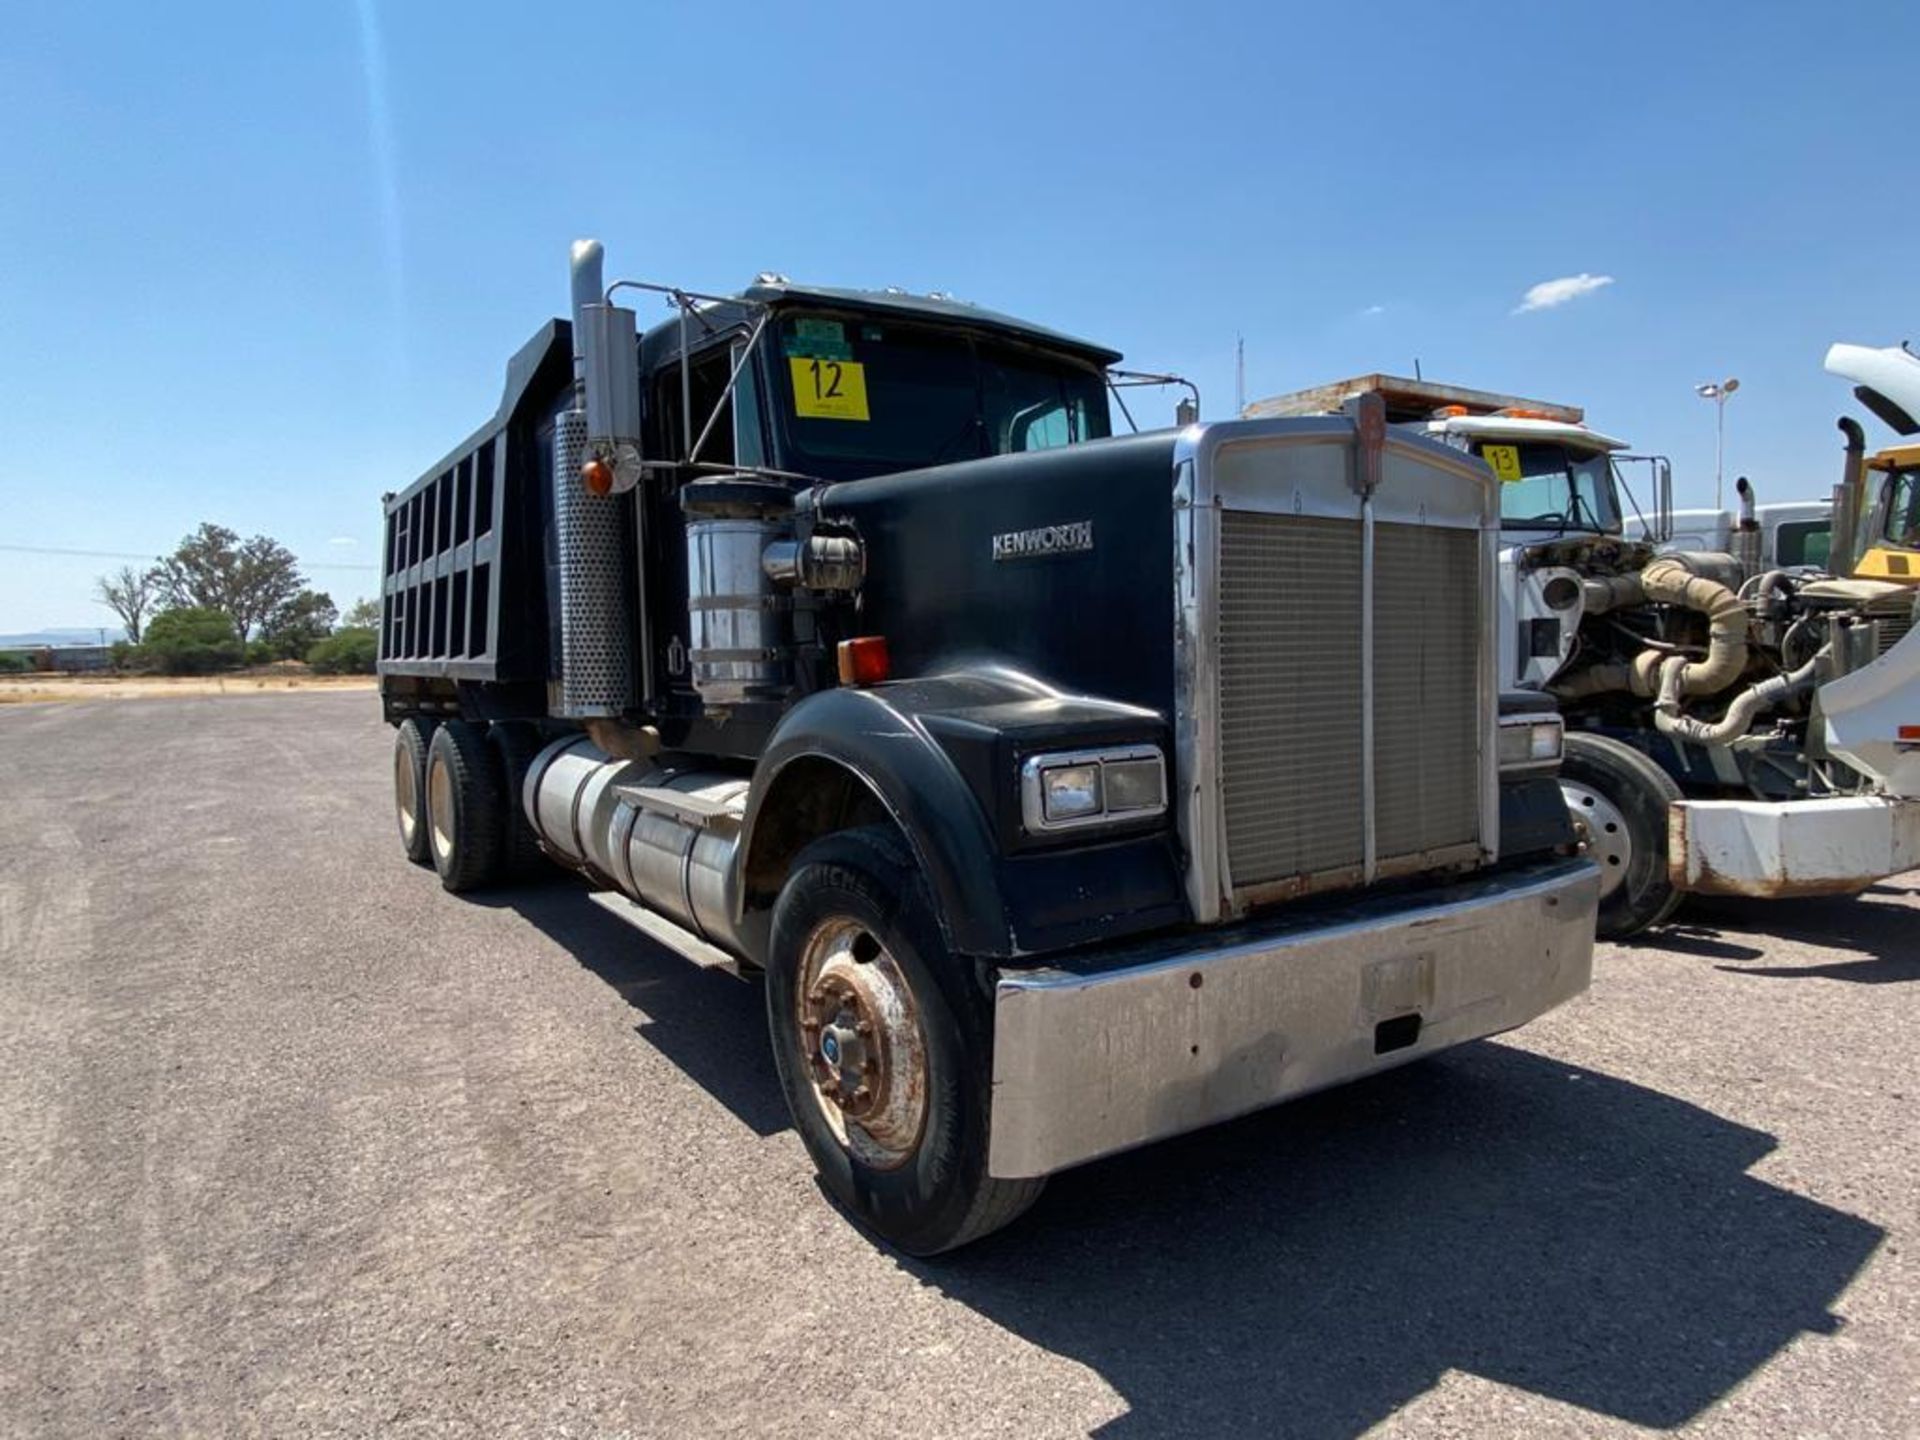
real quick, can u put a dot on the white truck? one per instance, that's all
(1790, 532)
(1733, 728)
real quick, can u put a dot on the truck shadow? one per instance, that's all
(1878, 930)
(708, 1022)
(1310, 1270)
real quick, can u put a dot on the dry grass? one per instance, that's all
(275, 679)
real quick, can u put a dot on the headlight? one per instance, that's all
(1530, 741)
(1092, 787)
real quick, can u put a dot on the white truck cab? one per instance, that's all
(1736, 722)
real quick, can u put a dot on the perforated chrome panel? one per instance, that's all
(596, 664)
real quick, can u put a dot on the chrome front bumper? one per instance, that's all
(1131, 1046)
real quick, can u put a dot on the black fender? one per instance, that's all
(936, 756)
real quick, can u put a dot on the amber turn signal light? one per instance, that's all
(863, 661)
(597, 476)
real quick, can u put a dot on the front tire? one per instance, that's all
(1619, 800)
(464, 815)
(883, 1042)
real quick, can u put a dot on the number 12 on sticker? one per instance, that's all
(828, 389)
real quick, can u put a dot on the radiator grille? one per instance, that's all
(1291, 698)
(1289, 695)
(1426, 689)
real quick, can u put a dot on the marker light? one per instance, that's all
(1530, 740)
(597, 476)
(864, 660)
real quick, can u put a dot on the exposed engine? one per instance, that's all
(1723, 664)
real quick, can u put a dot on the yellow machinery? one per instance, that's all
(1889, 505)
(1876, 518)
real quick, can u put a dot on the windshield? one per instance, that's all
(1903, 509)
(1550, 487)
(896, 397)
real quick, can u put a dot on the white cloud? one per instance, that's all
(344, 542)
(1549, 293)
(1374, 310)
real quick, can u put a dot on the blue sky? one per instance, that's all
(263, 262)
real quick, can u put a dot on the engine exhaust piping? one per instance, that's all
(596, 649)
(1669, 580)
(1746, 707)
(1746, 530)
(589, 285)
(1847, 497)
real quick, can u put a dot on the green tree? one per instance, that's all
(246, 580)
(362, 615)
(300, 624)
(192, 640)
(350, 650)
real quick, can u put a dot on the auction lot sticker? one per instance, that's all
(1504, 461)
(829, 389)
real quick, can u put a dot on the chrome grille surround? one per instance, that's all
(1311, 755)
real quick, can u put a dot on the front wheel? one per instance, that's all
(1619, 800)
(883, 1044)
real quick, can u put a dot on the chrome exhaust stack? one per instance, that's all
(596, 633)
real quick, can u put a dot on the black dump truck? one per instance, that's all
(1065, 791)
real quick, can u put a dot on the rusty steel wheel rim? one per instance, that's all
(862, 1043)
(406, 791)
(440, 807)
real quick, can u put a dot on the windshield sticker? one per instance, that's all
(1504, 461)
(827, 389)
(819, 340)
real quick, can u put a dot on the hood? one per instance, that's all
(1886, 381)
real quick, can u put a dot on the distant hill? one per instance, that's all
(61, 635)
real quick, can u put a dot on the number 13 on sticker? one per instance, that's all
(829, 389)
(1504, 461)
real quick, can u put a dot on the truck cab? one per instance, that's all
(1703, 689)
(1062, 790)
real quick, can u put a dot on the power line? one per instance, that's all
(129, 555)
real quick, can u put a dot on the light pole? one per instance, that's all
(1718, 393)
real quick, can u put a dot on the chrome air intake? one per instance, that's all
(663, 836)
(738, 623)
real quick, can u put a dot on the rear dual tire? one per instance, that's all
(457, 803)
(410, 787)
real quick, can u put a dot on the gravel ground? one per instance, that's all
(291, 1143)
